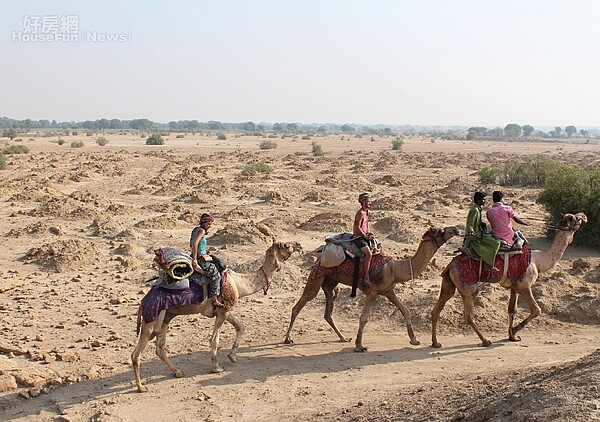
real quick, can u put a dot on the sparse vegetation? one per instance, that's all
(317, 150)
(267, 144)
(221, 136)
(155, 139)
(306, 138)
(16, 149)
(488, 175)
(102, 141)
(77, 144)
(2, 161)
(60, 142)
(397, 143)
(181, 135)
(257, 167)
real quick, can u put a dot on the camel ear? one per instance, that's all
(581, 217)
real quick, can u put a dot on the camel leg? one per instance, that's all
(512, 312)
(446, 292)
(391, 295)
(533, 306)
(364, 318)
(330, 296)
(220, 318)
(239, 330)
(147, 332)
(469, 304)
(161, 350)
(310, 292)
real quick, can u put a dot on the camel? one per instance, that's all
(540, 262)
(236, 286)
(395, 271)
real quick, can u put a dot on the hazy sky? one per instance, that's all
(420, 62)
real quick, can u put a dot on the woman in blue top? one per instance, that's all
(201, 261)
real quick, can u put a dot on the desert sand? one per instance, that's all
(79, 226)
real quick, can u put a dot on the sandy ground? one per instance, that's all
(79, 225)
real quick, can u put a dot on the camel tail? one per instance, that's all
(138, 328)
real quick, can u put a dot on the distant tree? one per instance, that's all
(141, 124)
(322, 129)
(558, 131)
(43, 123)
(249, 127)
(347, 128)
(512, 130)
(528, 130)
(214, 125)
(387, 131)
(570, 130)
(496, 132)
(27, 124)
(583, 132)
(115, 124)
(291, 127)
(10, 133)
(278, 127)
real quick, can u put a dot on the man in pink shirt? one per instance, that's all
(500, 217)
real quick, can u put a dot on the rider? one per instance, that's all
(201, 261)
(476, 238)
(500, 217)
(363, 235)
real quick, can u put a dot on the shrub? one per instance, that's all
(155, 139)
(488, 175)
(258, 167)
(221, 136)
(571, 189)
(180, 136)
(77, 144)
(267, 144)
(317, 150)
(102, 141)
(530, 171)
(60, 142)
(306, 138)
(2, 162)
(143, 136)
(397, 143)
(16, 149)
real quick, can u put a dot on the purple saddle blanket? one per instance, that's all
(159, 299)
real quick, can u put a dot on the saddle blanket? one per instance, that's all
(468, 268)
(158, 299)
(347, 268)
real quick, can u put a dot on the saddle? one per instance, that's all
(174, 266)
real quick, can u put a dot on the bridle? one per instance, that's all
(434, 239)
(266, 288)
(575, 227)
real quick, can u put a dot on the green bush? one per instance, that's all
(488, 175)
(570, 189)
(221, 136)
(180, 136)
(16, 149)
(60, 142)
(155, 139)
(317, 150)
(77, 144)
(258, 167)
(397, 143)
(267, 144)
(102, 141)
(306, 138)
(2, 162)
(529, 171)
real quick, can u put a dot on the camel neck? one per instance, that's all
(545, 260)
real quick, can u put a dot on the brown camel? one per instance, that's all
(392, 273)
(540, 261)
(237, 286)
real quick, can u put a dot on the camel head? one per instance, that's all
(280, 251)
(440, 235)
(571, 223)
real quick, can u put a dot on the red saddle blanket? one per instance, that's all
(468, 268)
(347, 268)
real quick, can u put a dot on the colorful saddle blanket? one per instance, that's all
(347, 268)
(468, 268)
(158, 299)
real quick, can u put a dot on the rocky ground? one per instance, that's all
(79, 226)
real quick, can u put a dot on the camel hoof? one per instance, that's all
(436, 345)
(218, 370)
(415, 342)
(486, 343)
(360, 349)
(142, 389)
(288, 341)
(515, 338)
(345, 339)
(232, 357)
(178, 374)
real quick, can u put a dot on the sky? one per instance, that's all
(398, 62)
